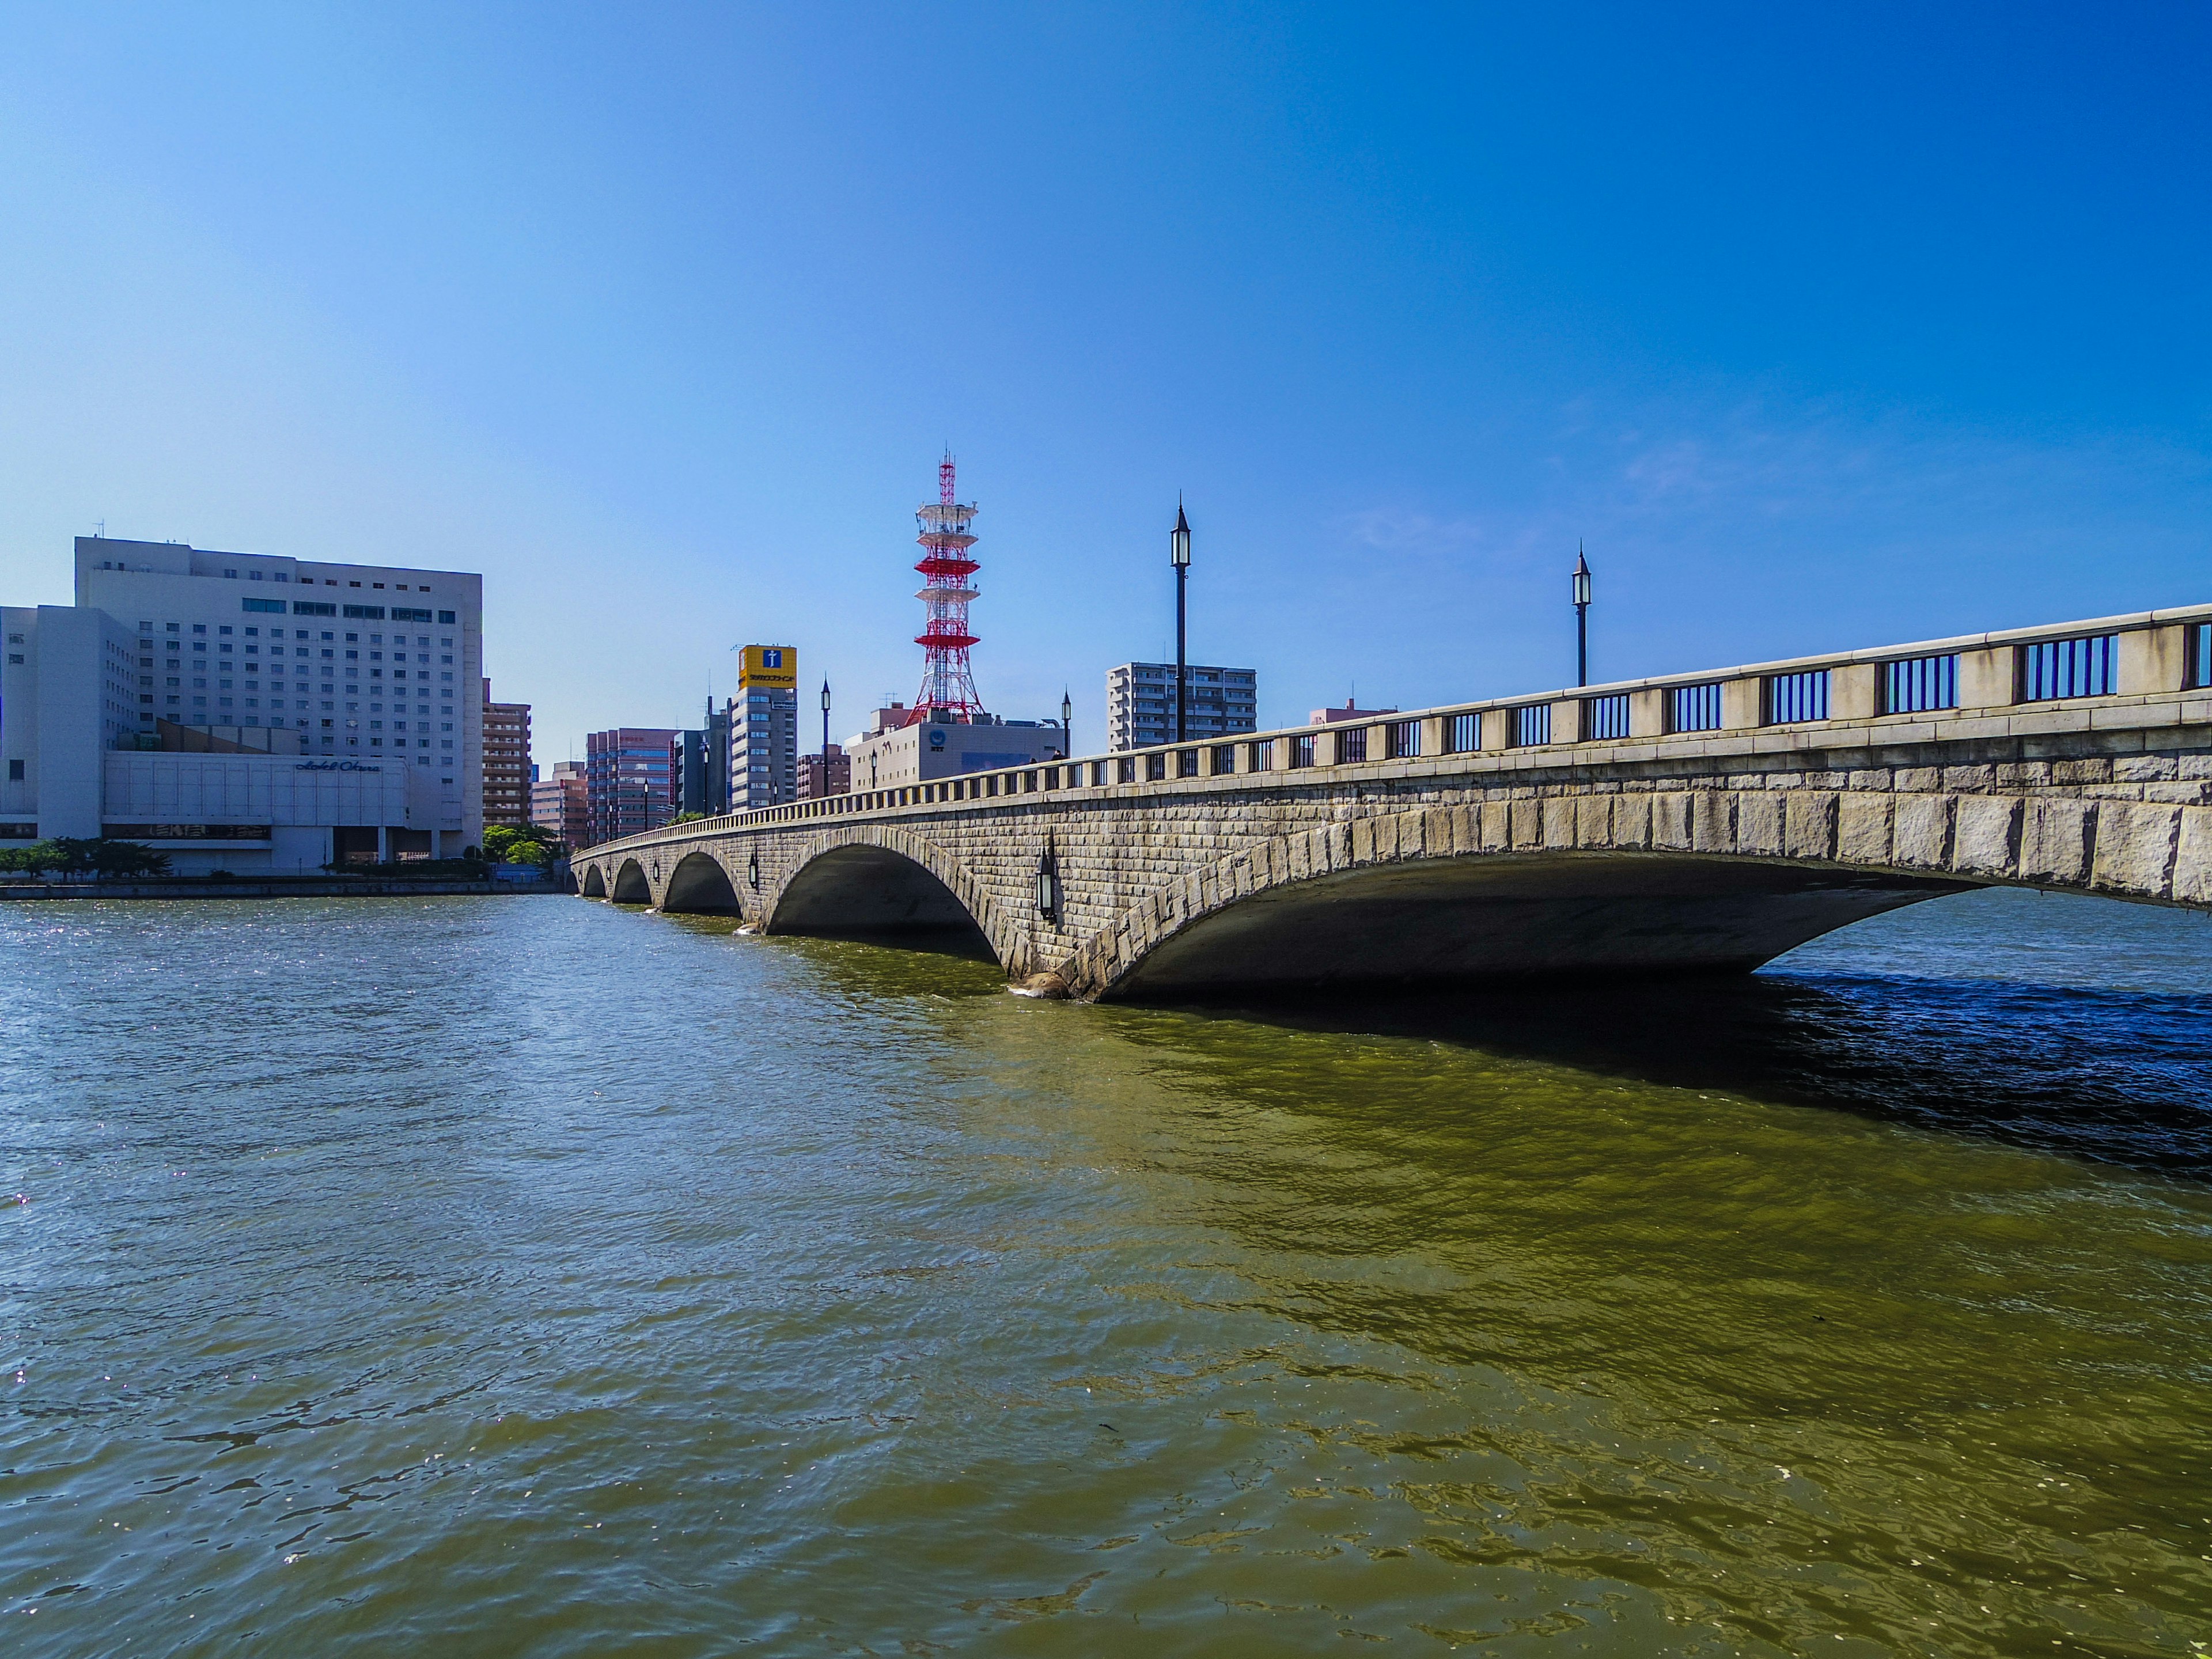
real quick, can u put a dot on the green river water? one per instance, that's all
(526, 1276)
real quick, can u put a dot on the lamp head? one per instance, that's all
(1581, 579)
(1179, 542)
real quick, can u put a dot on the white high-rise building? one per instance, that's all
(247, 712)
(1140, 703)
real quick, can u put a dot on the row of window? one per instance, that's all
(357, 612)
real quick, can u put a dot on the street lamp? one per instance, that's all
(1582, 617)
(1048, 888)
(1179, 556)
(1067, 729)
(825, 725)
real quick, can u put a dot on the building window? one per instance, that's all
(15, 771)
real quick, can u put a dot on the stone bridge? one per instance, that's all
(1690, 822)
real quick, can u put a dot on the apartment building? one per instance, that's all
(1140, 703)
(506, 761)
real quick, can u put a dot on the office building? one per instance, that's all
(558, 804)
(247, 712)
(626, 782)
(507, 769)
(763, 729)
(830, 773)
(1140, 703)
(905, 745)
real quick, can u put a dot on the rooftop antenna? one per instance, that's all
(99, 531)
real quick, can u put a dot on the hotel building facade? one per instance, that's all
(247, 712)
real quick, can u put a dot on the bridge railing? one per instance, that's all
(1901, 693)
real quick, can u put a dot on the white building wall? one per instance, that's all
(363, 716)
(919, 754)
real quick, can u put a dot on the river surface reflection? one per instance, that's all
(527, 1276)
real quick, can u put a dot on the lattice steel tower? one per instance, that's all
(947, 682)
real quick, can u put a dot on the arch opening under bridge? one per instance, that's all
(1511, 916)
(863, 889)
(630, 886)
(699, 884)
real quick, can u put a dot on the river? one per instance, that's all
(524, 1276)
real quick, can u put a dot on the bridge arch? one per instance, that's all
(1690, 881)
(591, 883)
(878, 879)
(630, 886)
(699, 882)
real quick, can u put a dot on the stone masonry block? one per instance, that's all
(1986, 835)
(1920, 833)
(1497, 834)
(2192, 863)
(1527, 823)
(2055, 839)
(2146, 768)
(1759, 823)
(2135, 846)
(1559, 822)
(1632, 820)
(1594, 820)
(1671, 826)
(1808, 819)
(1712, 822)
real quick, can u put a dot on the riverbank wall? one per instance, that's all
(289, 887)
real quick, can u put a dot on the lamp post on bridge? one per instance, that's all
(1066, 726)
(1582, 617)
(1179, 556)
(825, 734)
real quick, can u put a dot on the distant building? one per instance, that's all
(1336, 716)
(558, 804)
(626, 782)
(246, 711)
(902, 748)
(1140, 703)
(824, 774)
(763, 729)
(507, 766)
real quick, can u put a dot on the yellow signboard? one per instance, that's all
(770, 665)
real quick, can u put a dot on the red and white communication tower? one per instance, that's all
(947, 682)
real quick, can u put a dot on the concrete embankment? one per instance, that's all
(298, 887)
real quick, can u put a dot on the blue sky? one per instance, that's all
(1822, 326)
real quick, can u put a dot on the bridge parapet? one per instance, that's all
(2078, 755)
